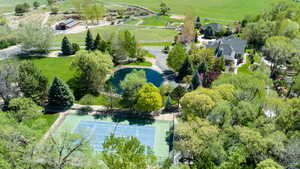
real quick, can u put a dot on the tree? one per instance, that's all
(91, 70)
(129, 43)
(185, 69)
(279, 50)
(198, 23)
(65, 150)
(148, 98)
(60, 95)
(196, 81)
(131, 85)
(197, 103)
(164, 9)
(220, 64)
(66, 47)
(126, 153)
(22, 8)
(24, 109)
(168, 104)
(288, 28)
(97, 42)
(51, 2)
(89, 41)
(33, 84)
(257, 33)
(8, 80)
(36, 4)
(176, 57)
(199, 143)
(209, 33)
(244, 113)
(268, 164)
(188, 32)
(75, 47)
(35, 36)
(178, 93)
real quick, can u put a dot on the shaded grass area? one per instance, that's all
(100, 99)
(140, 63)
(142, 33)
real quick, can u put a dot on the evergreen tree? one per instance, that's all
(196, 81)
(97, 42)
(178, 93)
(220, 64)
(32, 82)
(89, 41)
(60, 95)
(196, 37)
(103, 46)
(66, 47)
(209, 33)
(168, 104)
(203, 68)
(186, 69)
(198, 23)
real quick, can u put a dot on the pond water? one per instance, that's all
(152, 76)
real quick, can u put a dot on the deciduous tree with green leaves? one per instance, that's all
(32, 82)
(176, 57)
(148, 98)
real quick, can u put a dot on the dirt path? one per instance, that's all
(46, 18)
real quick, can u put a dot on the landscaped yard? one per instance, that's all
(142, 33)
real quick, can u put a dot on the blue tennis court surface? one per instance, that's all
(97, 131)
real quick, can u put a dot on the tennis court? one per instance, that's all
(154, 134)
(97, 131)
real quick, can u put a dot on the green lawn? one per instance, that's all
(159, 20)
(221, 9)
(245, 68)
(142, 33)
(52, 67)
(9, 5)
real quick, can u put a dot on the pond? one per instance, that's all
(152, 76)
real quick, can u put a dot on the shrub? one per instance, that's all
(75, 47)
(22, 8)
(88, 100)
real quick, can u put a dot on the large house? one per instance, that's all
(230, 47)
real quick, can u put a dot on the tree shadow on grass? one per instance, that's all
(119, 115)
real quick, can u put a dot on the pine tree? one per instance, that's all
(186, 69)
(168, 104)
(103, 46)
(66, 47)
(209, 33)
(198, 23)
(97, 42)
(89, 41)
(196, 37)
(196, 81)
(202, 68)
(60, 95)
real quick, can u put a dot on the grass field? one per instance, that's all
(220, 9)
(142, 33)
(9, 5)
(159, 20)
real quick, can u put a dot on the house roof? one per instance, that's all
(215, 26)
(68, 21)
(230, 46)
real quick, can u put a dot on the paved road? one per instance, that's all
(10, 52)
(161, 58)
